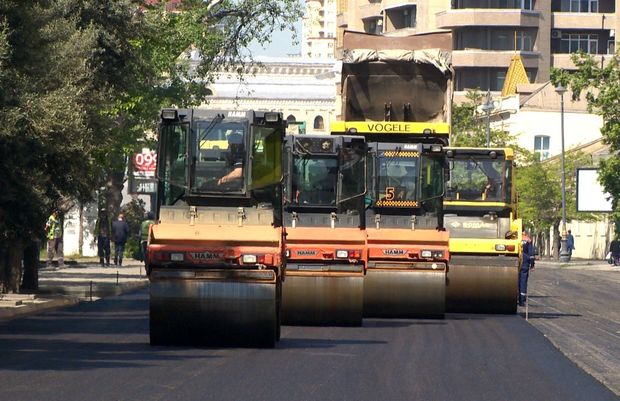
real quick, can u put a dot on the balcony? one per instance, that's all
(372, 10)
(563, 61)
(491, 58)
(487, 17)
(342, 20)
(584, 21)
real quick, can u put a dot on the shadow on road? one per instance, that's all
(373, 323)
(548, 315)
(298, 343)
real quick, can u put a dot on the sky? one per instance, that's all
(281, 44)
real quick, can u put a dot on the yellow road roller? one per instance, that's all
(485, 233)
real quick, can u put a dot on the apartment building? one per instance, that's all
(487, 33)
(319, 30)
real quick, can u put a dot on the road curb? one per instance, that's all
(58, 297)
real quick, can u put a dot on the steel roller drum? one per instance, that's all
(404, 293)
(322, 300)
(209, 312)
(482, 284)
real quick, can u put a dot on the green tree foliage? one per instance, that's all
(469, 124)
(539, 187)
(81, 82)
(601, 86)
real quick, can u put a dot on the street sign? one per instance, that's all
(142, 172)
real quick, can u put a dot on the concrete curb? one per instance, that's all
(99, 290)
(79, 281)
(43, 304)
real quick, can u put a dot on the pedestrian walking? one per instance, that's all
(53, 232)
(527, 263)
(144, 233)
(120, 233)
(103, 231)
(570, 244)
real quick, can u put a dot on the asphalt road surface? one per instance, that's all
(100, 351)
(578, 309)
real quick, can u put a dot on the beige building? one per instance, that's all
(319, 30)
(487, 33)
(302, 89)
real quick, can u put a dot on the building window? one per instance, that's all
(524, 41)
(318, 122)
(579, 6)
(541, 146)
(500, 77)
(403, 17)
(504, 4)
(409, 17)
(291, 119)
(573, 42)
(373, 25)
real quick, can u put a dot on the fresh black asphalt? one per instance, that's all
(100, 351)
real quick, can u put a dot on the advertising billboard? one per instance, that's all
(591, 197)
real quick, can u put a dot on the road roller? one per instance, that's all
(325, 183)
(485, 233)
(215, 256)
(396, 92)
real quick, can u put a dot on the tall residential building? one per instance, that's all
(319, 29)
(487, 33)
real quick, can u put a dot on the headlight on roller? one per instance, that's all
(249, 259)
(500, 247)
(177, 257)
(426, 254)
(342, 254)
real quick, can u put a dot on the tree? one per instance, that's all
(540, 196)
(601, 85)
(82, 81)
(469, 125)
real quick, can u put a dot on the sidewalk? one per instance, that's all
(78, 281)
(581, 264)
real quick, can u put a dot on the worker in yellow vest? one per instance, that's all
(53, 232)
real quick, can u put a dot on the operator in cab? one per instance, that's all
(235, 160)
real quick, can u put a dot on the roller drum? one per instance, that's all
(322, 300)
(478, 284)
(408, 293)
(205, 312)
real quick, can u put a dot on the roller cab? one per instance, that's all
(485, 235)
(216, 254)
(325, 241)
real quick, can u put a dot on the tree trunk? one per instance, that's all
(80, 228)
(556, 240)
(10, 267)
(114, 196)
(30, 281)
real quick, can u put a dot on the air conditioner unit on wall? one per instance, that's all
(556, 34)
